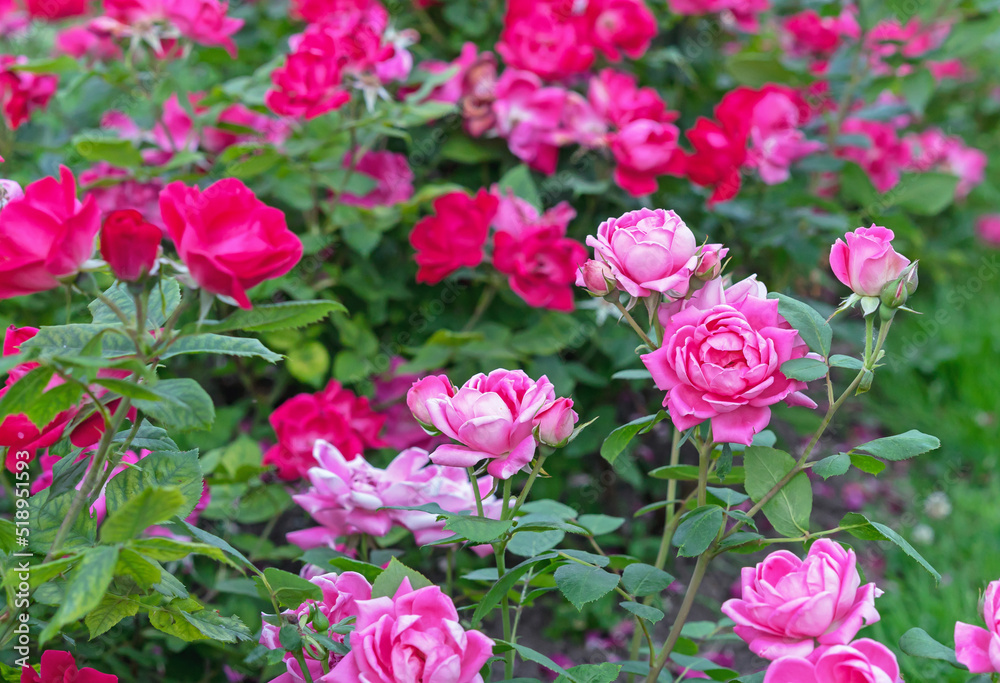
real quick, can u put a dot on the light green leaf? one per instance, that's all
(48, 515)
(144, 571)
(519, 181)
(861, 527)
(833, 466)
(592, 673)
(153, 505)
(647, 612)
(273, 317)
(477, 530)
(598, 525)
(690, 473)
(619, 439)
(159, 469)
(697, 530)
(501, 587)
(812, 326)
(168, 550)
(581, 584)
(164, 299)
(116, 151)
(901, 446)
(918, 643)
(804, 369)
(643, 579)
(219, 344)
(790, 508)
(290, 589)
(390, 579)
(111, 610)
(85, 588)
(182, 404)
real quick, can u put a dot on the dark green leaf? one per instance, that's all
(182, 404)
(111, 610)
(274, 317)
(160, 469)
(647, 612)
(581, 584)
(812, 326)
(790, 508)
(804, 369)
(918, 643)
(697, 530)
(153, 505)
(861, 527)
(833, 466)
(289, 589)
(84, 590)
(221, 345)
(641, 580)
(901, 446)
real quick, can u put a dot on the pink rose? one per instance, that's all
(556, 422)
(309, 83)
(622, 26)
(988, 229)
(454, 236)
(776, 141)
(423, 390)
(721, 360)
(867, 262)
(493, 417)
(597, 278)
(979, 648)
(932, 150)
(744, 12)
(616, 97)
(648, 251)
(414, 636)
(205, 22)
(53, 10)
(334, 415)
(45, 235)
(90, 41)
(402, 430)
(264, 129)
(790, 606)
(644, 150)
(517, 216)
(393, 179)
(9, 191)
(23, 92)
(341, 595)
(809, 34)
(541, 265)
(885, 155)
(229, 240)
(529, 116)
(126, 193)
(544, 39)
(863, 661)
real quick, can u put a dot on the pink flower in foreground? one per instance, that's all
(721, 360)
(648, 251)
(60, 667)
(413, 636)
(979, 648)
(791, 607)
(341, 595)
(863, 661)
(334, 415)
(866, 262)
(229, 240)
(23, 92)
(493, 417)
(988, 229)
(45, 235)
(393, 179)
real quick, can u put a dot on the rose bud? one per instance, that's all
(710, 263)
(596, 277)
(866, 262)
(424, 390)
(895, 293)
(555, 422)
(130, 244)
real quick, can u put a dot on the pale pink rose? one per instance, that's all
(413, 636)
(528, 116)
(866, 262)
(9, 191)
(88, 41)
(493, 417)
(341, 595)
(581, 124)
(790, 607)
(721, 360)
(648, 251)
(644, 150)
(979, 648)
(863, 661)
(933, 150)
(596, 277)
(397, 67)
(451, 91)
(988, 229)
(393, 179)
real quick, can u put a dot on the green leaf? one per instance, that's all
(390, 579)
(643, 579)
(917, 88)
(519, 181)
(538, 658)
(790, 508)
(901, 446)
(212, 540)
(647, 612)
(217, 627)
(756, 69)
(63, 64)
(925, 194)
(697, 530)
(168, 550)
(465, 150)
(812, 326)
(725, 464)
(111, 610)
(182, 405)
(153, 505)
(245, 347)
(147, 437)
(164, 299)
(145, 572)
(581, 584)
(728, 497)
(159, 469)
(126, 388)
(531, 543)
(85, 588)
(804, 369)
(25, 391)
(599, 525)
(833, 466)
(617, 440)
(69, 340)
(289, 589)
(861, 527)
(115, 151)
(690, 473)
(273, 317)
(501, 587)
(46, 407)
(867, 463)
(918, 643)
(849, 362)
(592, 673)
(477, 530)
(48, 515)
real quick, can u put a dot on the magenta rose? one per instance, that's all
(789, 607)
(341, 594)
(493, 417)
(721, 360)
(648, 251)
(863, 661)
(310, 82)
(229, 240)
(645, 150)
(979, 648)
(541, 264)
(867, 262)
(45, 235)
(58, 666)
(413, 636)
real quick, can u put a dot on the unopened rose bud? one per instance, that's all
(866, 262)
(130, 244)
(895, 293)
(710, 262)
(424, 390)
(597, 278)
(555, 422)
(9, 191)
(320, 622)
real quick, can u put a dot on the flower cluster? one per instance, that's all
(352, 496)
(501, 418)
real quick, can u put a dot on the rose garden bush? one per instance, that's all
(408, 342)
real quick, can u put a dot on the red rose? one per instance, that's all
(60, 667)
(229, 240)
(454, 236)
(334, 415)
(541, 264)
(45, 236)
(309, 83)
(129, 244)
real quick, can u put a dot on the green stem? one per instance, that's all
(675, 631)
(508, 666)
(635, 326)
(485, 299)
(675, 456)
(539, 461)
(507, 483)
(475, 490)
(704, 460)
(869, 328)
